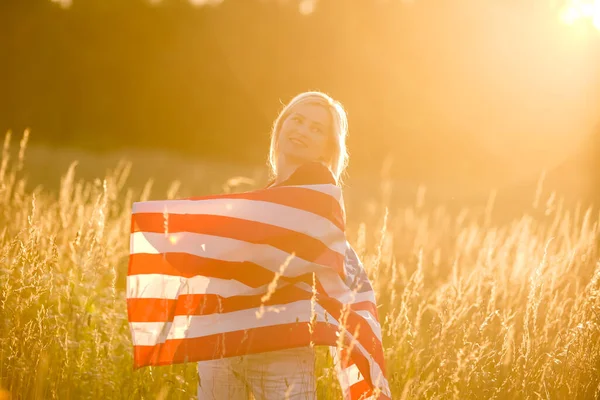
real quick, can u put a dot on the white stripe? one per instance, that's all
(220, 248)
(353, 298)
(159, 286)
(352, 374)
(254, 210)
(187, 327)
(335, 287)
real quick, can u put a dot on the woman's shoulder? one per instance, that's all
(312, 173)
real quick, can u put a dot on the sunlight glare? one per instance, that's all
(199, 3)
(63, 3)
(569, 15)
(307, 7)
(577, 10)
(596, 20)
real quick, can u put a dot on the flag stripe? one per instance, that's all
(373, 323)
(360, 390)
(335, 286)
(347, 364)
(160, 310)
(366, 336)
(353, 374)
(182, 327)
(146, 286)
(367, 306)
(228, 249)
(332, 191)
(297, 200)
(187, 266)
(355, 384)
(236, 343)
(372, 372)
(290, 241)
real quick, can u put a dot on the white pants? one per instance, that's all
(274, 375)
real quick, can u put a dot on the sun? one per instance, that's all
(581, 10)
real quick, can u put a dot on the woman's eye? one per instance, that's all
(296, 119)
(316, 129)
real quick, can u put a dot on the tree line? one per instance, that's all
(209, 80)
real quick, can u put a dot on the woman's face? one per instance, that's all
(305, 134)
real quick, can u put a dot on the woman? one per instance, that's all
(308, 146)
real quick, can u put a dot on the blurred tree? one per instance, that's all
(428, 83)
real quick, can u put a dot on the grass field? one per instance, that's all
(470, 309)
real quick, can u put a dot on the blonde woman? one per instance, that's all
(308, 146)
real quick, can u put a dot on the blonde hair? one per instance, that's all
(339, 158)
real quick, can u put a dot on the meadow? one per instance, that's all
(470, 308)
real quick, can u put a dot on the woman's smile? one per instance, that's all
(298, 142)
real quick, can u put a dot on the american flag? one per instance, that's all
(234, 274)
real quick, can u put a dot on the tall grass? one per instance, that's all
(468, 309)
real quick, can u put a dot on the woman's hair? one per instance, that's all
(339, 131)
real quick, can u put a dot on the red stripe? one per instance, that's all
(366, 306)
(164, 310)
(345, 360)
(360, 390)
(188, 265)
(305, 246)
(237, 343)
(313, 201)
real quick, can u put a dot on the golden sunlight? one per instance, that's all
(63, 3)
(199, 3)
(578, 10)
(176, 202)
(307, 7)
